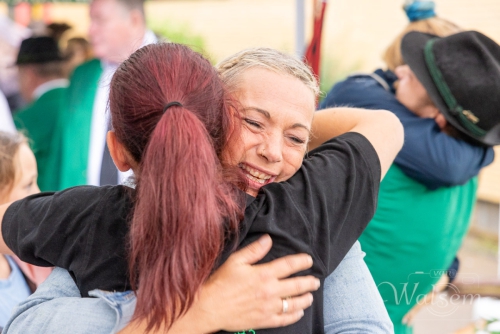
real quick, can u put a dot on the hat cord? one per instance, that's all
(455, 108)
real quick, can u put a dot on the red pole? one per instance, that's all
(313, 53)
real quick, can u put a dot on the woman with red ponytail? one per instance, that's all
(182, 208)
(191, 149)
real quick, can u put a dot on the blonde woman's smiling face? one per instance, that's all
(276, 112)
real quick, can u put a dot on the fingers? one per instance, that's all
(296, 307)
(287, 265)
(298, 303)
(253, 252)
(286, 319)
(296, 286)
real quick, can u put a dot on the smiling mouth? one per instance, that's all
(255, 175)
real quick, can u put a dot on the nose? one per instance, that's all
(272, 148)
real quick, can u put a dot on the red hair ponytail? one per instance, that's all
(183, 206)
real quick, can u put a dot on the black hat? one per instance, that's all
(461, 74)
(38, 50)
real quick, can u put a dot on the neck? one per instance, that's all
(37, 83)
(137, 37)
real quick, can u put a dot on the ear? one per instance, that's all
(441, 121)
(118, 153)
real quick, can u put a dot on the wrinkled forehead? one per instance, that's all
(281, 96)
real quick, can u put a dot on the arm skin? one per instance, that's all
(382, 129)
(429, 155)
(222, 303)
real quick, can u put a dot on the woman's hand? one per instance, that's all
(241, 296)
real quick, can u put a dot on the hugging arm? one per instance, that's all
(382, 129)
(57, 307)
(428, 155)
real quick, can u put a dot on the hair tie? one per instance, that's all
(170, 104)
(419, 10)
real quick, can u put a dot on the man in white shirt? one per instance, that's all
(117, 29)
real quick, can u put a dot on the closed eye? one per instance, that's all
(297, 140)
(253, 123)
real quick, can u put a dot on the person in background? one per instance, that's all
(57, 30)
(427, 197)
(117, 29)
(78, 51)
(11, 36)
(18, 175)
(43, 84)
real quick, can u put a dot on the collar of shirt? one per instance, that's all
(49, 85)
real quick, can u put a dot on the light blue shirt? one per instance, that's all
(352, 304)
(13, 290)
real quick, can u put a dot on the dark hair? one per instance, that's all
(53, 69)
(183, 206)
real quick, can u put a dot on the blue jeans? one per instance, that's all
(352, 305)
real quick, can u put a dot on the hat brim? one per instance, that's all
(412, 50)
(59, 57)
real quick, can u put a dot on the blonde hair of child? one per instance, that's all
(9, 147)
(434, 25)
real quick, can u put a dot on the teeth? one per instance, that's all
(255, 175)
(256, 179)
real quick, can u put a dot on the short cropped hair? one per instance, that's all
(133, 4)
(434, 25)
(231, 68)
(53, 69)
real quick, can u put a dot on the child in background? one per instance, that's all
(18, 174)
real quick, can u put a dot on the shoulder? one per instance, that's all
(343, 151)
(90, 70)
(74, 201)
(360, 90)
(106, 196)
(93, 64)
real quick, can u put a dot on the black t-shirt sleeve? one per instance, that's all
(325, 206)
(81, 229)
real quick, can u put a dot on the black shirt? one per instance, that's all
(321, 210)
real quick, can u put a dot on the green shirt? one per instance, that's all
(39, 122)
(413, 238)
